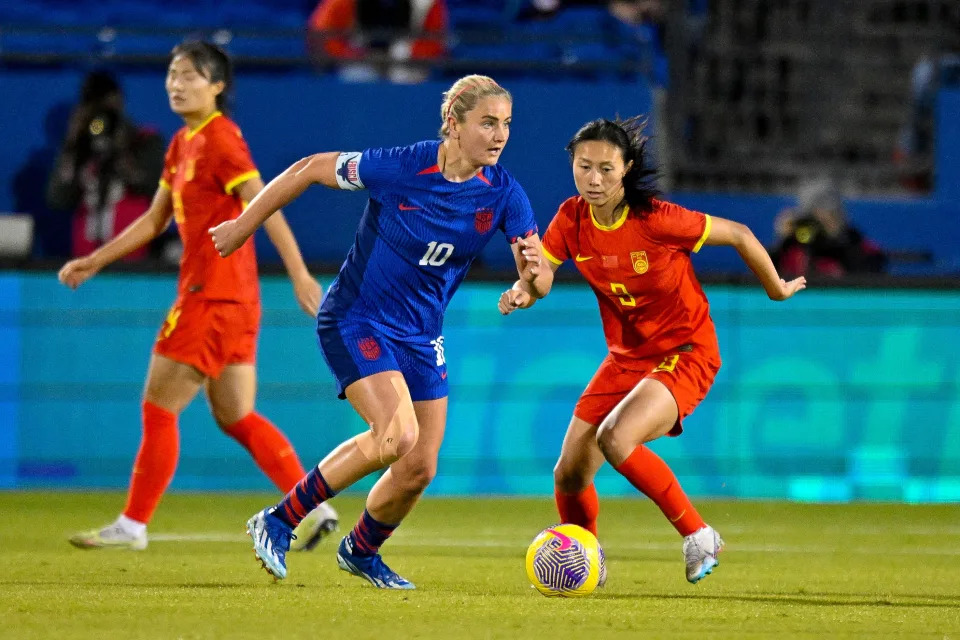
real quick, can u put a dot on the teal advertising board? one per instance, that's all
(835, 395)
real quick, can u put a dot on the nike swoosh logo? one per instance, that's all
(565, 541)
(581, 258)
(406, 207)
(443, 376)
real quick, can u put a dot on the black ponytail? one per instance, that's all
(212, 63)
(639, 183)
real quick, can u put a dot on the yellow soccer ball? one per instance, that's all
(566, 561)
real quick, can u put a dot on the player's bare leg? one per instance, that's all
(170, 387)
(646, 413)
(383, 401)
(580, 459)
(392, 498)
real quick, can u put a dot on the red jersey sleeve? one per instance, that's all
(555, 244)
(675, 226)
(234, 165)
(169, 164)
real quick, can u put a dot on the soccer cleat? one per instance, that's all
(271, 541)
(318, 524)
(700, 550)
(370, 568)
(110, 537)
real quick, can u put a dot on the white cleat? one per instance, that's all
(700, 550)
(318, 524)
(110, 537)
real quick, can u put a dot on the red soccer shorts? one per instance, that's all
(687, 372)
(210, 334)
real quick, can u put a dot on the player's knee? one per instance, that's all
(415, 480)
(394, 438)
(610, 438)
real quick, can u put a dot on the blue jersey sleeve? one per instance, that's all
(518, 222)
(374, 169)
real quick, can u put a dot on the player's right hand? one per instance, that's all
(76, 272)
(787, 289)
(513, 299)
(227, 237)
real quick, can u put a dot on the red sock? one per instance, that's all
(650, 474)
(270, 449)
(579, 508)
(155, 463)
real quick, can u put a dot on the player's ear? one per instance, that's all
(454, 127)
(218, 87)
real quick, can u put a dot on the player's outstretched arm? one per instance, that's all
(319, 168)
(725, 232)
(148, 226)
(305, 288)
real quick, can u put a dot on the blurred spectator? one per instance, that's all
(108, 168)
(52, 229)
(643, 22)
(375, 39)
(816, 238)
(915, 146)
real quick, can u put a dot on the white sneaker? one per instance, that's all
(110, 537)
(318, 524)
(700, 550)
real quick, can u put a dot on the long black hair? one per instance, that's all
(639, 183)
(212, 63)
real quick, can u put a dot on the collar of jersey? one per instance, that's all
(616, 223)
(209, 119)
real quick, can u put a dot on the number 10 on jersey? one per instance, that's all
(436, 254)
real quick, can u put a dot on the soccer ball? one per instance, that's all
(566, 561)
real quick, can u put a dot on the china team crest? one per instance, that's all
(483, 220)
(369, 348)
(639, 260)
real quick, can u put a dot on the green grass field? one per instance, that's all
(789, 571)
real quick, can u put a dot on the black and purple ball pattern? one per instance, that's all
(561, 564)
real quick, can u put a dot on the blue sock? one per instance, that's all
(304, 498)
(369, 535)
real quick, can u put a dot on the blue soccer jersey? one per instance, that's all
(417, 238)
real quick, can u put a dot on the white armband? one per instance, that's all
(348, 171)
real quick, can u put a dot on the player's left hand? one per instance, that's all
(308, 293)
(513, 299)
(532, 259)
(227, 237)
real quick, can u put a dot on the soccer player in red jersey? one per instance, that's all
(209, 337)
(634, 251)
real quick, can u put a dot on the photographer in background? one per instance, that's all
(816, 238)
(107, 168)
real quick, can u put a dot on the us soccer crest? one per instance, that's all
(483, 220)
(639, 260)
(369, 348)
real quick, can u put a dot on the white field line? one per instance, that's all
(518, 545)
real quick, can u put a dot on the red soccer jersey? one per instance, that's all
(202, 168)
(639, 268)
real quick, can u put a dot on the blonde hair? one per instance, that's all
(463, 96)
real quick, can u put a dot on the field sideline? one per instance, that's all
(790, 571)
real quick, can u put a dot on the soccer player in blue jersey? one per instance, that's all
(432, 207)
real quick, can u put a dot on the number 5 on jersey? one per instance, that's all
(436, 254)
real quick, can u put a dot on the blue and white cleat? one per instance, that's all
(370, 568)
(271, 541)
(700, 550)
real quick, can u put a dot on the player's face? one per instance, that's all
(598, 171)
(485, 130)
(189, 91)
